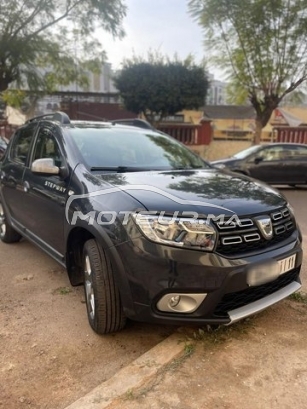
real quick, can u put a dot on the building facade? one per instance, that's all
(217, 92)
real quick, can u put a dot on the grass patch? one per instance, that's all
(189, 349)
(218, 335)
(299, 297)
(129, 395)
(62, 290)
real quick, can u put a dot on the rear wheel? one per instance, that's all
(104, 308)
(7, 233)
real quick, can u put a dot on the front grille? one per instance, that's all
(236, 237)
(239, 299)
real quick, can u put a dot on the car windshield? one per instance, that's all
(123, 149)
(244, 154)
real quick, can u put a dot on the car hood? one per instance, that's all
(202, 191)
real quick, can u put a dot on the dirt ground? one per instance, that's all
(256, 364)
(49, 355)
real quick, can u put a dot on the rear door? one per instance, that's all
(296, 164)
(12, 172)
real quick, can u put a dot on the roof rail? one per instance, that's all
(56, 116)
(139, 123)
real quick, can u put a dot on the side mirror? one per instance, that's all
(258, 159)
(45, 166)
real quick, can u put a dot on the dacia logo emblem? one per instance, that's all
(264, 224)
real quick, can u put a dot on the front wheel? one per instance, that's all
(104, 308)
(7, 233)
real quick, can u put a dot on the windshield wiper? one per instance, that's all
(119, 169)
(188, 167)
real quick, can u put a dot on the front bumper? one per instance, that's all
(263, 303)
(152, 271)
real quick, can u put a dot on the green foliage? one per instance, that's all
(262, 45)
(299, 297)
(189, 349)
(13, 97)
(159, 86)
(46, 43)
(62, 290)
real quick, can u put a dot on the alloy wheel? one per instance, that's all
(2, 222)
(89, 288)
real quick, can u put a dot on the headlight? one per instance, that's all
(180, 232)
(220, 166)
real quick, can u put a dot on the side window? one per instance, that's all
(21, 144)
(298, 152)
(287, 154)
(272, 154)
(46, 146)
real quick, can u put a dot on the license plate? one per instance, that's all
(286, 264)
(264, 273)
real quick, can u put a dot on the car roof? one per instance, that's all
(289, 144)
(90, 124)
(62, 119)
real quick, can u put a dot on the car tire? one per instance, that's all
(103, 303)
(7, 233)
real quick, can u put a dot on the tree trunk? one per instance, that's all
(5, 80)
(258, 131)
(264, 109)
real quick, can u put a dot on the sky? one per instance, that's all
(163, 25)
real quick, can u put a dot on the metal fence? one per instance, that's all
(189, 134)
(290, 135)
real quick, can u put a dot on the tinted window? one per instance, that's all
(111, 147)
(281, 153)
(46, 146)
(3, 144)
(244, 154)
(298, 152)
(273, 153)
(21, 144)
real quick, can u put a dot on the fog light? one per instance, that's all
(174, 301)
(182, 303)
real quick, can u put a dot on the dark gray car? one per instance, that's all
(152, 232)
(276, 163)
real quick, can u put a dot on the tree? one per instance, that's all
(261, 43)
(158, 86)
(45, 43)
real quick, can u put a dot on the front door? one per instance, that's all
(47, 194)
(269, 165)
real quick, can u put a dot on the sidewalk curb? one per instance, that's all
(132, 376)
